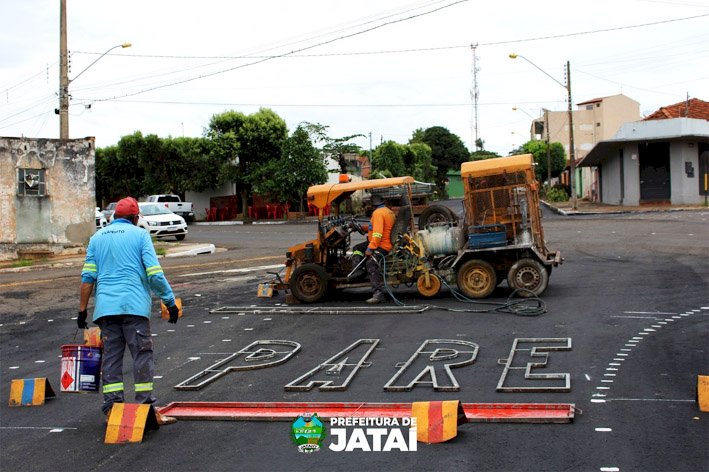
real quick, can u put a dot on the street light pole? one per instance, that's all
(64, 80)
(572, 151)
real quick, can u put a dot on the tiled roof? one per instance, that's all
(693, 108)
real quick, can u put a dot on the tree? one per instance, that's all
(288, 178)
(243, 143)
(447, 151)
(389, 156)
(539, 150)
(119, 170)
(332, 148)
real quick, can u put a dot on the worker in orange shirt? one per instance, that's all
(376, 247)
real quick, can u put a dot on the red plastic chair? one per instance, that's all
(271, 211)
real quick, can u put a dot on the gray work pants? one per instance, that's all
(117, 332)
(375, 266)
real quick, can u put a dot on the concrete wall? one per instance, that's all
(684, 189)
(63, 219)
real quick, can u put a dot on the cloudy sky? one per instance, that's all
(379, 67)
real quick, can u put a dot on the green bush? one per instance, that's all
(557, 195)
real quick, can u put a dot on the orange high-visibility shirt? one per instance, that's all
(380, 226)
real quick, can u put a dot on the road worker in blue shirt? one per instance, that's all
(122, 266)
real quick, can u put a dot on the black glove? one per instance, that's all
(174, 313)
(81, 320)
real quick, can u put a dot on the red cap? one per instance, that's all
(126, 207)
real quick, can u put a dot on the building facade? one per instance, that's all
(594, 120)
(47, 196)
(663, 159)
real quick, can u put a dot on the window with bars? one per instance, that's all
(31, 182)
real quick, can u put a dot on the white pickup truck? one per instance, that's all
(175, 204)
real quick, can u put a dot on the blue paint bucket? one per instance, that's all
(81, 368)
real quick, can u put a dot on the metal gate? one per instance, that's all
(654, 172)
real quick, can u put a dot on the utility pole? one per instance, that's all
(63, 74)
(474, 94)
(546, 128)
(572, 151)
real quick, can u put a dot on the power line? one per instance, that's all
(322, 43)
(325, 105)
(408, 50)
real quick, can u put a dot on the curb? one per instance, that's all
(559, 211)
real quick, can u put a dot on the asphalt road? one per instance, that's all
(632, 296)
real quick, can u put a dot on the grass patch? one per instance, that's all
(23, 263)
(160, 251)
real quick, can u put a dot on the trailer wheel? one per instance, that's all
(476, 278)
(530, 275)
(429, 289)
(436, 214)
(308, 283)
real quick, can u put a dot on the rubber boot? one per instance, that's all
(377, 297)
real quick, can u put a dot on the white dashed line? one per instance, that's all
(611, 368)
(14, 367)
(226, 340)
(609, 375)
(39, 362)
(587, 377)
(610, 469)
(597, 400)
(649, 330)
(248, 329)
(604, 430)
(603, 388)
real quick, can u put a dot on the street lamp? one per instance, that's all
(572, 152)
(64, 82)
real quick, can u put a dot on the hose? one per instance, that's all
(531, 306)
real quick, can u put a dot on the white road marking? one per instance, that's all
(267, 319)
(637, 338)
(39, 362)
(650, 312)
(604, 430)
(662, 323)
(610, 469)
(597, 400)
(248, 329)
(649, 400)
(621, 354)
(52, 429)
(603, 388)
(226, 340)
(607, 381)
(245, 270)
(677, 317)
(624, 349)
(225, 317)
(609, 375)
(649, 330)
(618, 359)
(657, 326)
(14, 367)
(587, 377)
(611, 368)
(613, 363)
(206, 321)
(157, 376)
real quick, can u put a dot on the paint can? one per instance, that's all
(81, 368)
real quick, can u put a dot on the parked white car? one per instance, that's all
(100, 219)
(161, 222)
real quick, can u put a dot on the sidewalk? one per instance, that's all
(584, 207)
(74, 260)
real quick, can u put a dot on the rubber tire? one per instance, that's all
(308, 283)
(432, 290)
(529, 274)
(436, 214)
(180, 237)
(476, 278)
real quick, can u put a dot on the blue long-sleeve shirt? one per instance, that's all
(122, 264)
